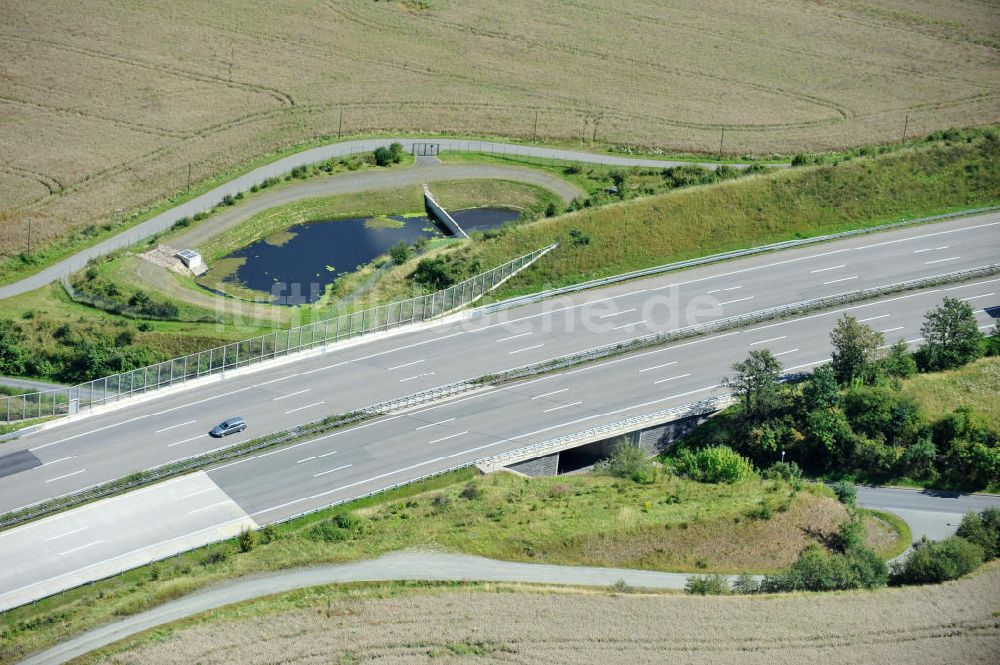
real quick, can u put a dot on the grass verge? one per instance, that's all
(673, 524)
(976, 385)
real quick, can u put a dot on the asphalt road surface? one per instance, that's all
(206, 201)
(109, 445)
(121, 532)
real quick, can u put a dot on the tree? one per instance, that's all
(951, 336)
(399, 253)
(983, 529)
(821, 392)
(396, 152)
(899, 361)
(756, 384)
(12, 355)
(854, 349)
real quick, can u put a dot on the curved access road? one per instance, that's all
(209, 199)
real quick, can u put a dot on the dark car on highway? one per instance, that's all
(227, 427)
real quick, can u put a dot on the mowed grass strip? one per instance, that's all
(754, 211)
(583, 519)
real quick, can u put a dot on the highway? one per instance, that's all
(105, 446)
(100, 538)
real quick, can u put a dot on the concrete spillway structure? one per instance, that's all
(441, 215)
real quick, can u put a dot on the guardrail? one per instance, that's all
(723, 256)
(72, 400)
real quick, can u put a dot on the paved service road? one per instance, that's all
(929, 513)
(206, 201)
(101, 447)
(347, 463)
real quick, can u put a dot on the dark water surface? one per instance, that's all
(298, 270)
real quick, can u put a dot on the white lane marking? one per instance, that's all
(527, 348)
(323, 473)
(418, 376)
(889, 330)
(650, 369)
(68, 533)
(507, 339)
(931, 249)
(842, 265)
(190, 422)
(445, 438)
(332, 452)
(872, 318)
(965, 286)
(713, 291)
(554, 392)
(320, 369)
(562, 406)
(440, 422)
(624, 311)
(75, 473)
(985, 295)
(730, 302)
(81, 547)
(193, 438)
(785, 353)
(188, 496)
(629, 325)
(950, 258)
(733, 288)
(307, 406)
(93, 431)
(842, 279)
(815, 362)
(208, 507)
(61, 459)
(415, 362)
(765, 341)
(209, 399)
(306, 459)
(291, 394)
(672, 378)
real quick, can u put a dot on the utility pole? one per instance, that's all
(340, 125)
(593, 137)
(721, 139)
(189, 177)
(534, 132)
(231, 50)
(29, 235)
(906, 122)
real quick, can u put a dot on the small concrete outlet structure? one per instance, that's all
(435, 211)
(192, 260)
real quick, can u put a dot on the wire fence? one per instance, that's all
(110, 389)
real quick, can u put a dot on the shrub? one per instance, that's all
(382, 156)
(817, 569)
(471, 491)
(716, 464)
(396, 152)
(247, 539)
(270, 533)
(214, 557)
(399, 253)
(787, 471)
(578, 237)
(846, 493)
(551, 210)
(621, 586)
(763, 512)
(851, 536)
(228, 200)
(628, 461)
(745, 584)
(707, 585)
(932, 562)
(435, 273)
(440, 501)
(983, 529)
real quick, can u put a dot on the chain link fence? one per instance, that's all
(110, 389)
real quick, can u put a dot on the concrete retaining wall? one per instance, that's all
(441, 215)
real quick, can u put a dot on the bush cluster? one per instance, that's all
(715, 464)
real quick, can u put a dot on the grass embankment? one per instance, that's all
(953, 622)
(976, 385)
(673, 524)
(798, 203)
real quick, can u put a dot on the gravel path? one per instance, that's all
(279, 168)
(409, 565)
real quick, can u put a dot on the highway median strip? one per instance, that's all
(301, 434)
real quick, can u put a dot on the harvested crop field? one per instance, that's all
(953, 623)
(106, 107)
